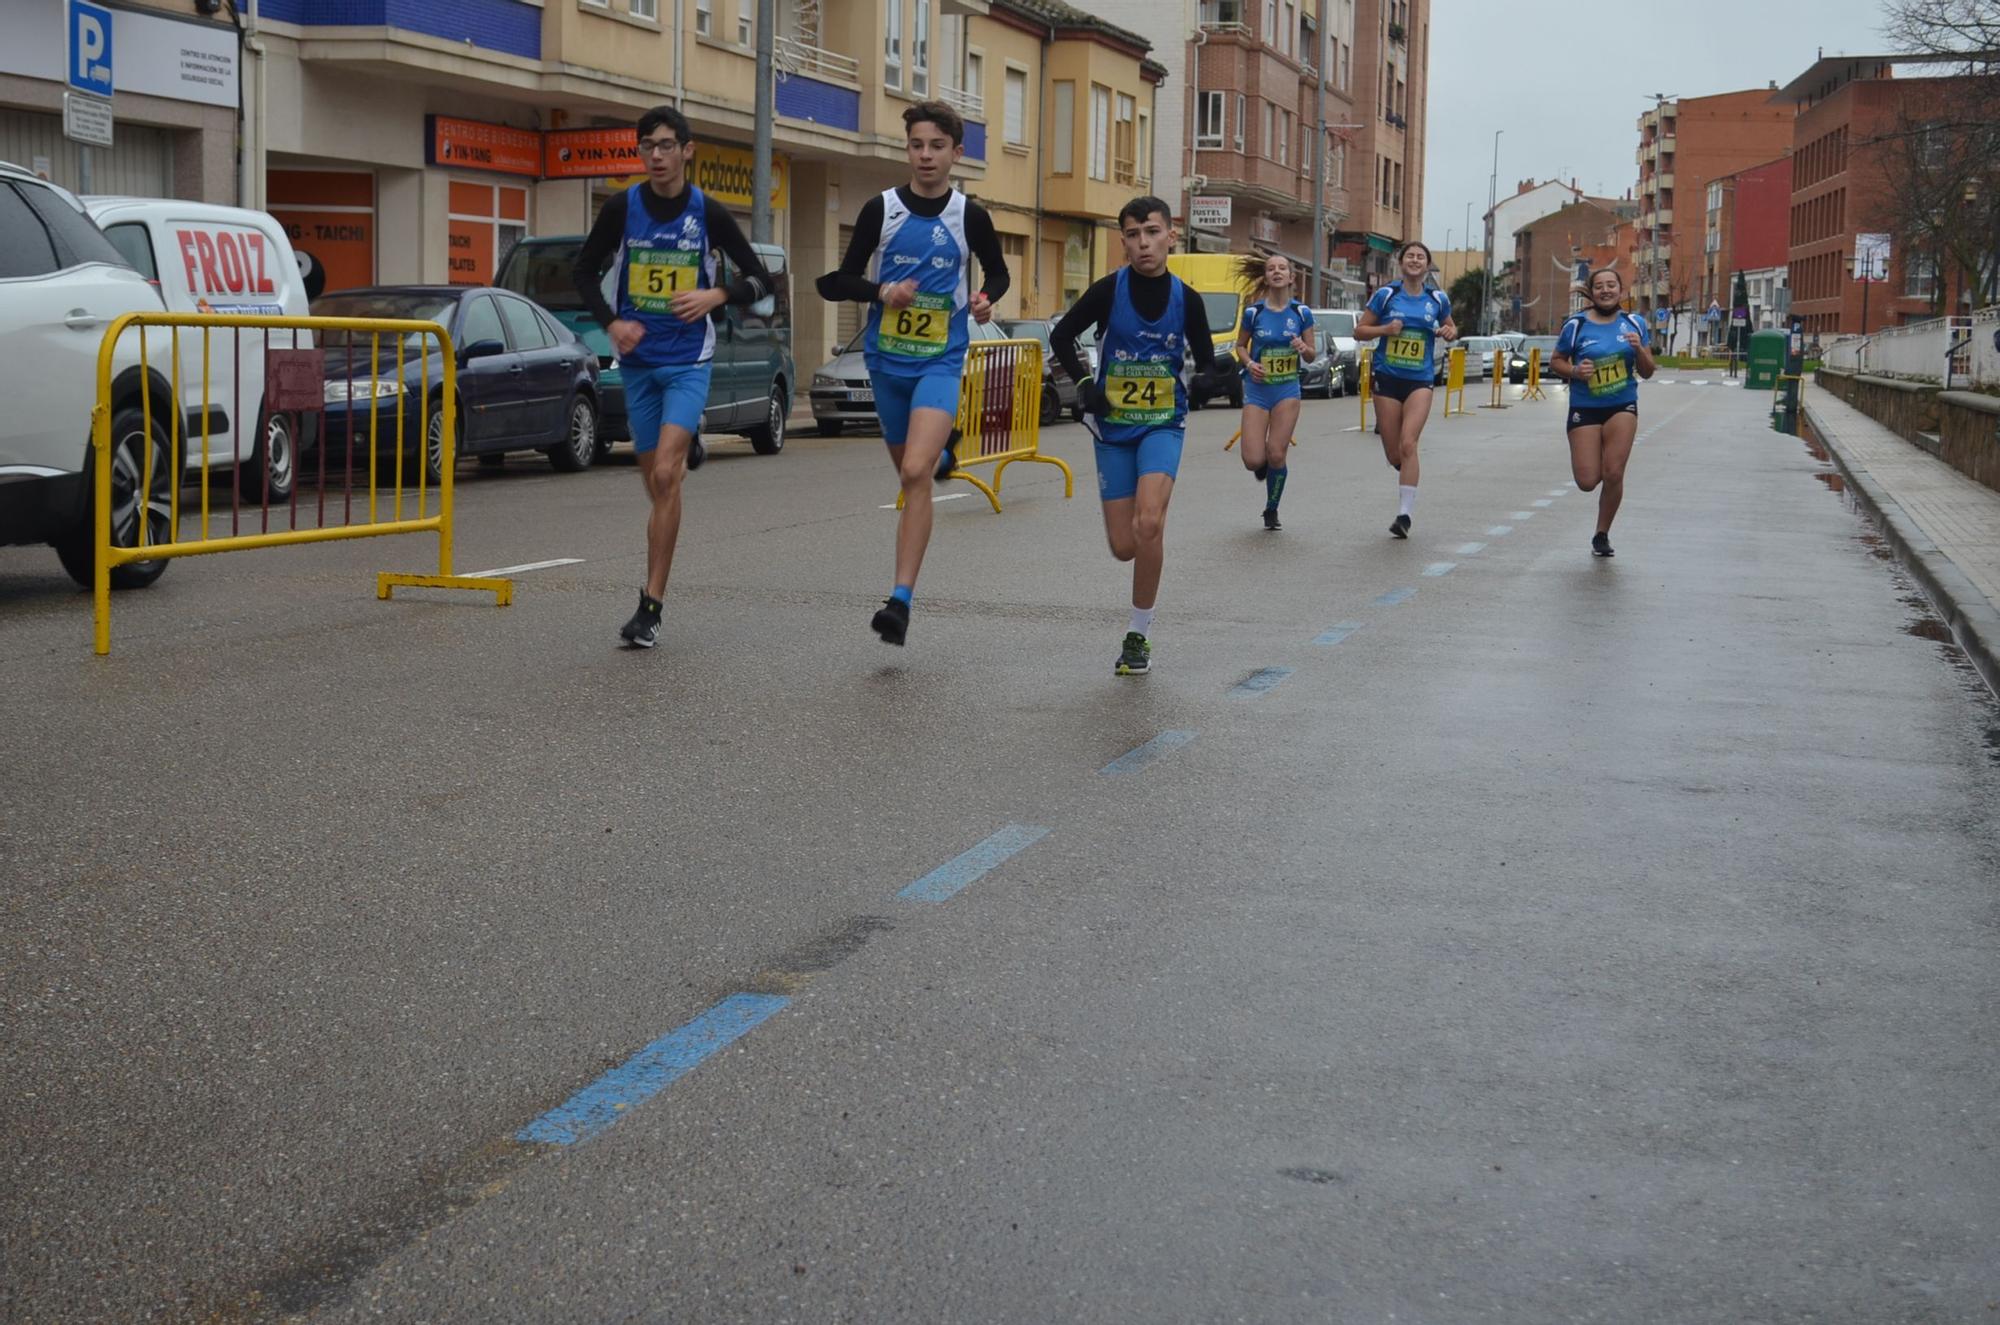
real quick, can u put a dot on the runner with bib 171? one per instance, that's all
(1405, 320)
(1602, 351)
(1275, 336)
(910, 262)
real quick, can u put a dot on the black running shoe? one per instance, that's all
(643, 630)
(1400, 527)
(892, 621)
(697, 454)
(1136, 658)
(1271, 518)
(948, 458)
(1600, 546)
(1261, 472)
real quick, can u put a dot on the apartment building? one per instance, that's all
(174, 84)
(1257, 78)
(1850, 269)
(1745, 232)
(1591, 233)
(1385, 167)
(1683, 145)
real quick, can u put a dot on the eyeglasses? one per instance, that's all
(659, 146)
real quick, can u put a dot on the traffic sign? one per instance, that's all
(89, 65)
(86, 119)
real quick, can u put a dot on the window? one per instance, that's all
(1208, 126)
(1100, 132)
(746, 21)
(1306, 162)
(920, 51)
(482, 322)
(648, 9)
(1288, 31)
(1062, 147)
(1270, 33)
(892, 44)
(1015, 117)
(1396, 195)
(704, 17)
(1388, 90)
(595, 4)
(76, 239)
(975, 72)
(25, 246)
(1145, 159)
(1242, 118)
(1920, 277)
(1337, 171)
(524, 330)
(1124, 141)
(131, 242)
(1346, 66)
(1270, 130)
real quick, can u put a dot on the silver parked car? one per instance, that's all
(842, 396)
(1337, 346)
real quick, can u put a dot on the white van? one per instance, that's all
(209, 259)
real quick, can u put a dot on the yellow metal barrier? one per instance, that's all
(1534, 391)
(146, 547)
(1000, 415)
(1454, 381)
(1367, 391)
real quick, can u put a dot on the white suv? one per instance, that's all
(61, 284)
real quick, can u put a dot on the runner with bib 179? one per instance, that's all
(1275, 336)
(1405, 320)
(910, 262)
(1602, 351)
(1148, 324)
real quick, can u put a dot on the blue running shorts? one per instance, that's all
(1119, 464)
(672, 394)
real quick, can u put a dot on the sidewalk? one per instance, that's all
(1945, 526)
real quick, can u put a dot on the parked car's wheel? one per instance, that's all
(434, 439)
(277, 446)
(1051, 404)
(768, 438)
(827, 427)
(573, 454)
(78, 549)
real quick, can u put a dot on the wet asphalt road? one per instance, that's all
(1564, 940)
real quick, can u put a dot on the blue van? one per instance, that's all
(751, 390)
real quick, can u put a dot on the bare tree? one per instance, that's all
(1944, 27)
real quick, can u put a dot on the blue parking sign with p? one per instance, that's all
(89, 48)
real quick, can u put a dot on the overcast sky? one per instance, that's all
(1569, 100)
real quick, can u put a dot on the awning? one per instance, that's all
(1381, 245)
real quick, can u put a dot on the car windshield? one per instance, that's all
(414, 307)
(1334, 324)
(1028, 329)
(1221, 308)
(544, 271)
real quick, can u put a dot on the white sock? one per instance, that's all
(1408, 498)
(1142, 620)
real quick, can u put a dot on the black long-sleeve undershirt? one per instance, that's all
(609, 232)
(1149, 300)
(851, 281)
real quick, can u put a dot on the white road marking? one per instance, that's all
(527, 566)
(1521, 515)
(1542, 501)
(949, 496)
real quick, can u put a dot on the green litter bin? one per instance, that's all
(1767, 360)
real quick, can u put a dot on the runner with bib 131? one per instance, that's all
(1275, 337)
(1405, 320)
(1602, 351)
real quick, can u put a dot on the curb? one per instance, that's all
(1973, 621)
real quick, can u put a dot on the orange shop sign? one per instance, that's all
(476, 145)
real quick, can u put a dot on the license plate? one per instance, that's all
(861, 397)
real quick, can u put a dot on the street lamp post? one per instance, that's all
(1492, 201)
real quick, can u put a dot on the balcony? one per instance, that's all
(1667, 144)
(1223, 16)
(965, 103)
(795, 57)
(1396, 33)
(1664, 180)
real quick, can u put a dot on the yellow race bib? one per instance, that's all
(1608, 376)
(1139, 393)
(1407, 351)
(1280, 366)
(653, 276)
(921, 331)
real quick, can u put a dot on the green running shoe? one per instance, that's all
(1136, 658)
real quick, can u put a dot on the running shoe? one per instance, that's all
(948, 458)
(892, 621)
(1261, 472)
(643, 630)
(1400, 527)
(697, 453)
(1600, 545)
(1136, 658)
(1271, 518)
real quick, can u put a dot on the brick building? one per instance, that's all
(1392, 46)
(1851, 112)
(1547, 250)
(1683, 146)
(1745, 234)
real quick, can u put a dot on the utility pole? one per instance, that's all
(766, 95)
(1492, 201)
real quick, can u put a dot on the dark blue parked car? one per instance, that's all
(524, 381)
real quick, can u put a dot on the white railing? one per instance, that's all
(1954, 352)
(795, 57)
(965, 103)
